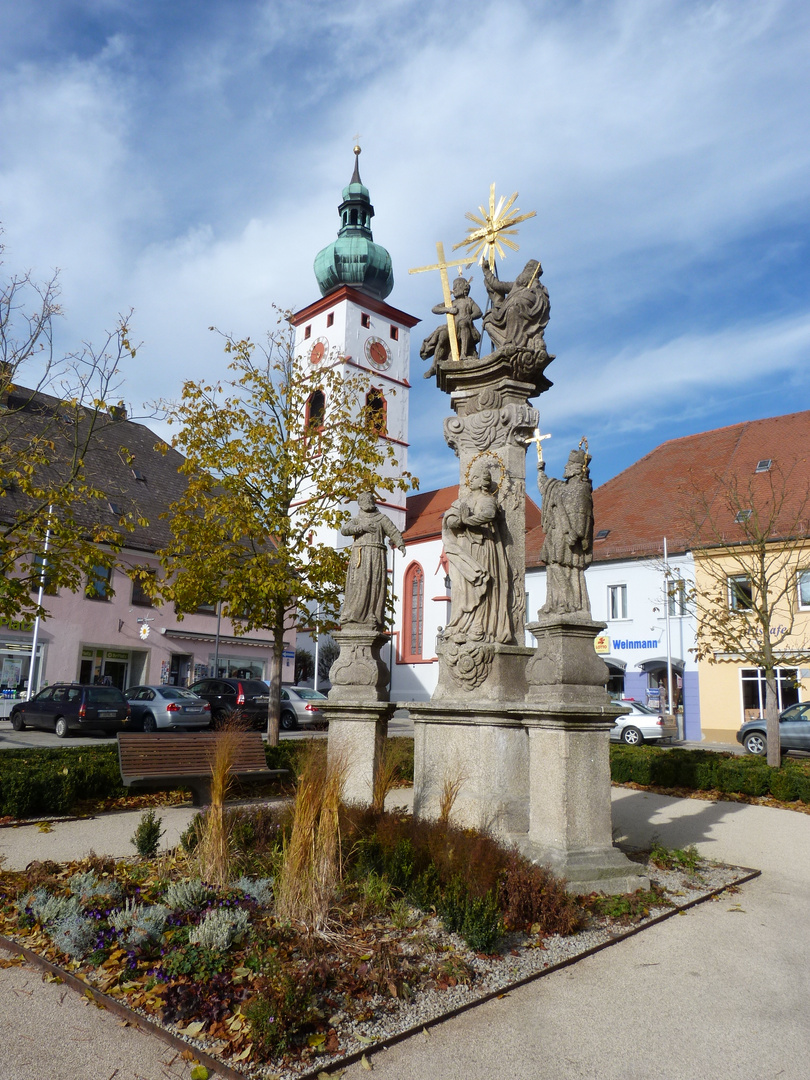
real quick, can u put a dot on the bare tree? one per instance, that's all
(749, 537)
(52, 410)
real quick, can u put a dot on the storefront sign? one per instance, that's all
(631, 645)
(17, 624)
(87, 654)
(109, 655)
(602, 643)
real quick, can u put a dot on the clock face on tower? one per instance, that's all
(378, 354)
(320, 347)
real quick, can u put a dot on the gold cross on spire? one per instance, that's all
(442, 266)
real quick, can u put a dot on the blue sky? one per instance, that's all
(185, 159)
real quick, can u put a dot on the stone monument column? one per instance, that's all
(358, 709)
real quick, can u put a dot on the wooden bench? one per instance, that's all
(164, 760)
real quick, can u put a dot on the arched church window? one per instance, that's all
(377, 410)
(413, 622)
(316, 408)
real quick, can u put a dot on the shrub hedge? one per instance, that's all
(42, 781)
(707, 770)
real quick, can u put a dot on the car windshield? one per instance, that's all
(104, 695)
(309, 695)
(174, 693)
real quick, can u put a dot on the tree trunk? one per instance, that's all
(772, 719)
(276, 661)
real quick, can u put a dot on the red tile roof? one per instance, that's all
(652, 499)
(426, 510)
(656, 497)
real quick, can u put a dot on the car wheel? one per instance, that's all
(755, 743)
(17, 721)
(149, 724)
(288, 721)
(62, 729)
(632, 736)
(219, 718)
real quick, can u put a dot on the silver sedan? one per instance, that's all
(166, 708)
(642, 724)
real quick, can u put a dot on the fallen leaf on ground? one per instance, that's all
(366, 1063)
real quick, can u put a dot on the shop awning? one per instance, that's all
(224, 639)
(660, 662)
(616, 665)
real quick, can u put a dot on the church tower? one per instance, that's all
(353, 322)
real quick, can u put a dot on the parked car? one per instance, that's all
(68, 707)
(794, 731)
(166, 708)
(300, 705)
(642, 724)
(247, 697)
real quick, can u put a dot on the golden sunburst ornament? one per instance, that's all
(490, 232)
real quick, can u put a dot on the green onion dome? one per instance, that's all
(354, 259)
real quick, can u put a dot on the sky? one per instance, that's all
(185, 159)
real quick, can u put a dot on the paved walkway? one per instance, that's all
(720, 991)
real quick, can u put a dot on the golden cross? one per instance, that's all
(442, 266)
(357, 138)
(538, 438)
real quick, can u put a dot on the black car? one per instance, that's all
(244, 697)
(68, 707)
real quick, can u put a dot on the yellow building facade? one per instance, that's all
(732, 686)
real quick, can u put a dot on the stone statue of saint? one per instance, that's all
(520, 309)
(479, 573)
(567, 512)
(367, 576)
(465, 311)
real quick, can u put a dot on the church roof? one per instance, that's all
(426, 509)
(354, 259)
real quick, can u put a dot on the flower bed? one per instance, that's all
(270, 995)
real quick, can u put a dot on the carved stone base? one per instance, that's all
(536, 776)
(565, 668)
(480, 671)
(570, 816)
(357, 734)
(483, 751)
(359, 674)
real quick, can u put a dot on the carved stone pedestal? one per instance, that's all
(359, 673)
(570, 818)
(357, 734)
(565, 669)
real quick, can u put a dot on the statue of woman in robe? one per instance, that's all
(479, 572)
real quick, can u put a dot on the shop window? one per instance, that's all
(803, 586)
(740, 593)
(141, 588)
(98, 583)
(676, 598)
(377, 411)
(753, 690)
(617, 601)
(414, 612)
